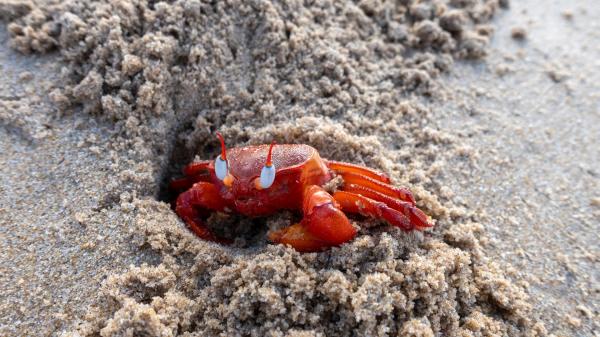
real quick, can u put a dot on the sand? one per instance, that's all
(129, 92)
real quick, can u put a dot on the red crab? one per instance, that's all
(261, 180)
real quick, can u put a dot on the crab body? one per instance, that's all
(298, 166)
(262, 180)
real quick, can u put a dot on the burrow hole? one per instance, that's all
(244, 231)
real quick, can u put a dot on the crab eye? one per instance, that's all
(267, 176)
(221, 168)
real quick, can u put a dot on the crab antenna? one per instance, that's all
(269, 162)
(223, 150)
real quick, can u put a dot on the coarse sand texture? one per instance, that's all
(346, 77)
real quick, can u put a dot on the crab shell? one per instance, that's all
(297, 166)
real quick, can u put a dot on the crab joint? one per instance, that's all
(228, 180)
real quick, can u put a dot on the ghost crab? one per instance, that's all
(260, 180)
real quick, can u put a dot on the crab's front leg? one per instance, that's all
(323, 225)
(201, 196)
(194, 172)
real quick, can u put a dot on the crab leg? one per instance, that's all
(392, 191)
(415, 215)
(187, 182)
(341, 168)
(196, 168)
(202, 195)
(323, 225)
(407, 217)
(194, 172)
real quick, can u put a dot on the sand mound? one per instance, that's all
(343, 77)
(382, 283)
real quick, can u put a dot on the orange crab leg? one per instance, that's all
(187, 182)
(196, 168)
(323, 225)
(392, 191)
(356, 203)
(341, 168)
(202, 195)
(415, 215)
(194, 172)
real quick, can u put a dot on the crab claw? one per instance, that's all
(323, 225)
(202, 195)
(298, 237)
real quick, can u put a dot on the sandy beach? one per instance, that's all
(488, 111)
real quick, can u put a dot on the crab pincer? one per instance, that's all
(323, 224)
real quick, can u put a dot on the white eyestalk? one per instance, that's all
(267, 174)
(221, 165)
(221, 168)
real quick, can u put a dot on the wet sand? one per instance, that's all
(99, 127)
